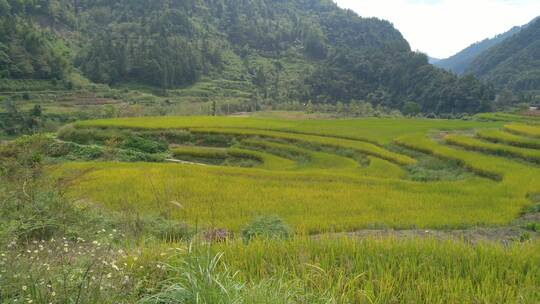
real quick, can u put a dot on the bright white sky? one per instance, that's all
(442, 28)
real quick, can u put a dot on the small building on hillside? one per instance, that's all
(534, 107)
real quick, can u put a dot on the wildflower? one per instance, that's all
(24, 288)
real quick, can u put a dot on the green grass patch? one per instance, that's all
(522, 129)
(470, 143)
(498, 136)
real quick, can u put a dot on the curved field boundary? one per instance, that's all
(362, 147)
(507, 117)
(518, 178)
(497, 149)
(283, 150)
(527, 130)
(378, 131)
(202, 152)
(474, 162)
(312, 160)
(498, 136)
(268, 161)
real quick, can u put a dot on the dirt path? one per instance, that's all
(177, 161)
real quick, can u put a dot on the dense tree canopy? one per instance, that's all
(285, 50)
(513, 64)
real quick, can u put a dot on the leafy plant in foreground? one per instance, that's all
(266, 227)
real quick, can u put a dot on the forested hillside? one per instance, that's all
(513, 64)
(461, 61)
(278, 51)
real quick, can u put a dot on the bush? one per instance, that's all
(38, 214)
(145, 145)
(74, 151)
(266, 227)
(135, 156)
(533, 227)
(157, 227)
(199, 279)
(86, 136)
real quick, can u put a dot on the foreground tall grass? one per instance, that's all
(344, 270)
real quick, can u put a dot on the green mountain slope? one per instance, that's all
(513, 64)
(259, 50)
(461, 61)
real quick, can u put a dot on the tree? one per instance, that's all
(315, 44)
(5, 8)
(214, 108)
(340, 107)
(309, 108)
(411, 108)
(504, 99)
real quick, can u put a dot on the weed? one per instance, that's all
(269, 226)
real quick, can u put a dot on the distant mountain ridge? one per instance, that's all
(513, 64)
(433, 60)
(461, 61)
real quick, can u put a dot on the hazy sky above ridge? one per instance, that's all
(442, 28)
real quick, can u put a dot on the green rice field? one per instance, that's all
(318, 175)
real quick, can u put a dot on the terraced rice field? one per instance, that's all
(319, 175)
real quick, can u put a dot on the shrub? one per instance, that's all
(86, 136)
(533, 227)
(266, 227)
(145, 145)
(40, 213)
(157, 227)
(135, 156)
(198, 279)
(179, 136)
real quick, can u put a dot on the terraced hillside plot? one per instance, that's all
(467, 142)
(309, 173)
(499, 136)
(522, 129)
